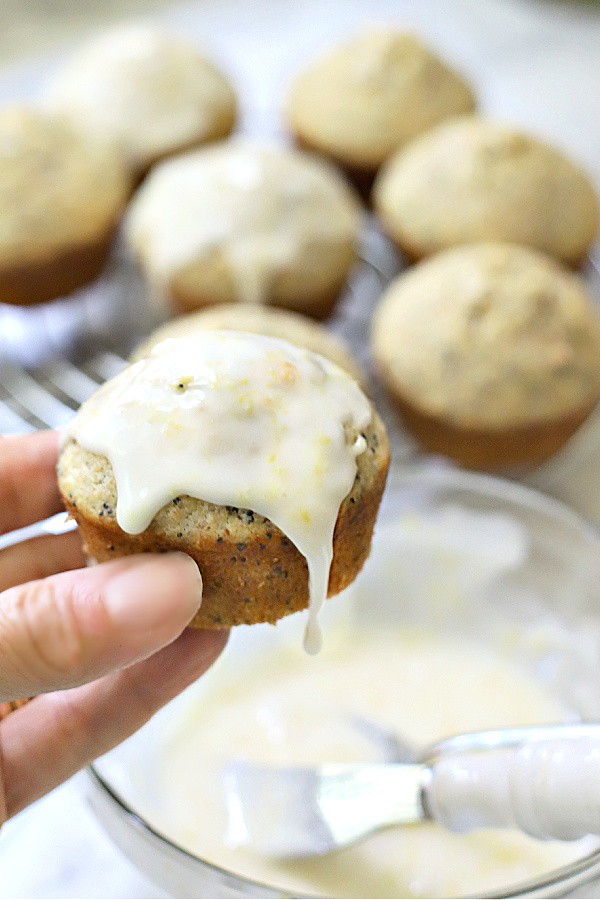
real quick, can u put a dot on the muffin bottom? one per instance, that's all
(491, 449)
(361, 178)
(412, 252)
(312, 286)
(261, 582)
(26, 284)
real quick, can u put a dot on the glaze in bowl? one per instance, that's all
(470, 556)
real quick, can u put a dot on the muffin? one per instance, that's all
(475, 180)
(150, 92)
(261, 460)
(279, 323)
(61, 197)
(363, 100)
(239, 221)
(491, 352)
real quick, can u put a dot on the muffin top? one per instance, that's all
(232, 418)
(58, 188)
(371, 94)
(291, 326)
(489, 336)
(471, 179)
(149, 91)
(258, 207)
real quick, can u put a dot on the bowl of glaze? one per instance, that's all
(478, 608)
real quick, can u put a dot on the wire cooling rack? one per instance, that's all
(53, 356)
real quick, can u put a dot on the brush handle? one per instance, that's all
(548, 789)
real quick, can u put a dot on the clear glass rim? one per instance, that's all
(575, 874)
(439, 473)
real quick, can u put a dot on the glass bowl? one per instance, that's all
(456, 556)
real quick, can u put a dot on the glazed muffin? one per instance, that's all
(150, 92)
(239, 221)
(471, 179)
(491, 352)
(61, 198)
(261, 460)
(363, 100)
(279, 323)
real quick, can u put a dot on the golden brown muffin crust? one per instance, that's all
(47, 279)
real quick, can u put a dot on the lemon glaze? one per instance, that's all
(235, 420)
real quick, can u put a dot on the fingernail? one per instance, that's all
(154, 592)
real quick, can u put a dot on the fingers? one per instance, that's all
(73, 627)
(49, 739)
(28, 487)
(38, 558)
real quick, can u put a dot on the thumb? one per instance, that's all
(74, 627)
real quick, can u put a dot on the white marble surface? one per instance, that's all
(533, 62)
(56, 848)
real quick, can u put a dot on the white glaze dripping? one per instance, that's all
(260, 207)
(236, 420)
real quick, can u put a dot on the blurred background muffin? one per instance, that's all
(244, 222)
(148, 90)
(491, 352)
(281, 323)
(61, 197)
(364, 99)
(471, 179)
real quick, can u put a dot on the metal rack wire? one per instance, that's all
(53, 357)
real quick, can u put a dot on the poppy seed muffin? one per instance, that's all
(471, 179)
(281, 323)
(61, 198)
(231, 417)
(148, 91)
(361, 101)
(239, 221)
(491, 352)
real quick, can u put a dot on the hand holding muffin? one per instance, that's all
(103, 647)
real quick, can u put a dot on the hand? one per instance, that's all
(102, 648)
